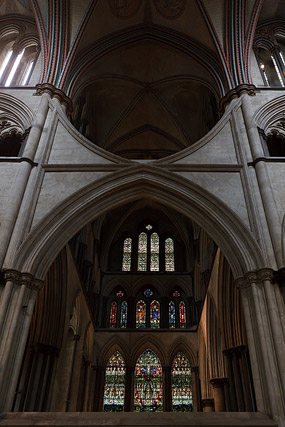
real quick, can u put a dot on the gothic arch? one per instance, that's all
(271, 118)
(221, 223)
(148, 342)
(181, 347)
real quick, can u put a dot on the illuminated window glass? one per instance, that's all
(113, 314)
(124, 313)
(114, 390)
(148, 293)
(142, 252)
(154, 252)
(169, 254)
(140, 314)
(182, 314)
(127, 254)
(154, 314)
(148, 383)
(181, 381)
(171, 314)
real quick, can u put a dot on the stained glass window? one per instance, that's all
(169, 254)
(140, 314)
(124, 313)
(142, 252)
(181, 380)
(114, 390)
(148, 383)
(148, 293)
(171, 314)
(120, 294)
(127, 254)
(182, 314)
(154, 314)
(113, 314)
(154, 252)
(176, 294)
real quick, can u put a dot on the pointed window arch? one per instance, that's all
(154, 252)
(169, 254)
(127, 255)
(141, 314)
(181, 384)
(114, 390)
(172, 314)
(148, 383)
(155, 314)
(142, 252)
(124, 314)
(113, 314)
(182, 314)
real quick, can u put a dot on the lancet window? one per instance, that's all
(181, 381)
(118, 316)
(177, 311)
(148, 383)
(114, 390)
(152, 252)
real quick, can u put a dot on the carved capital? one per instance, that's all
(36, 285)
(255, 277)
(12, 276)
(236, 93)
(55, 93)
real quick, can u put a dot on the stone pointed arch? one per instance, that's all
(141, 181)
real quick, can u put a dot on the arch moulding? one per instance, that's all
(38, 250)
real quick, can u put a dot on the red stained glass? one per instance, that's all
(113, 314)
(182, 315)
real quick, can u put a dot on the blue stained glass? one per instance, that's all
(140, 314)
(148, 293)
(154, 314)
(171, 314)
(124, 312)
(148, 383)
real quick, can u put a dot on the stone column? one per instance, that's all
(219, 393)
(99, 388)
(19, 306)
(167, 392)
(128, 388)
(196, 392)
(266, 341)
(231, 383)
(208, 405)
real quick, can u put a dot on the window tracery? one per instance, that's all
(181, 381)
(114, 390)
(148, 383)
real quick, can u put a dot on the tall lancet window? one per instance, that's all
(141, 314)
(169, 254)
(124, 313)
(154, 252)
(182, 314)
(113, 314)
(171, 314)
(127, 254)
(148, 383)
(154, 314)
(114, 390)
(142, 252)
(181, 381)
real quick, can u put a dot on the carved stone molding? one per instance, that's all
(255, 277)
(25, 279)
(55, 93)
(12, 276)
(236, 93)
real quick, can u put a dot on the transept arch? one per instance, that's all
(54, 231)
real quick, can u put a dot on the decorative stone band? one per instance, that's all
(236, 93)
(25, 279)
(255, 277)
(55, 93)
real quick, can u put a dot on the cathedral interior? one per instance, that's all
(142, 212)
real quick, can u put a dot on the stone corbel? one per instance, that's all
(236, 93)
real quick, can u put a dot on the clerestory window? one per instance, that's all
(149, 252)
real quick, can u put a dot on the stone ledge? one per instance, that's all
(135, 419)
